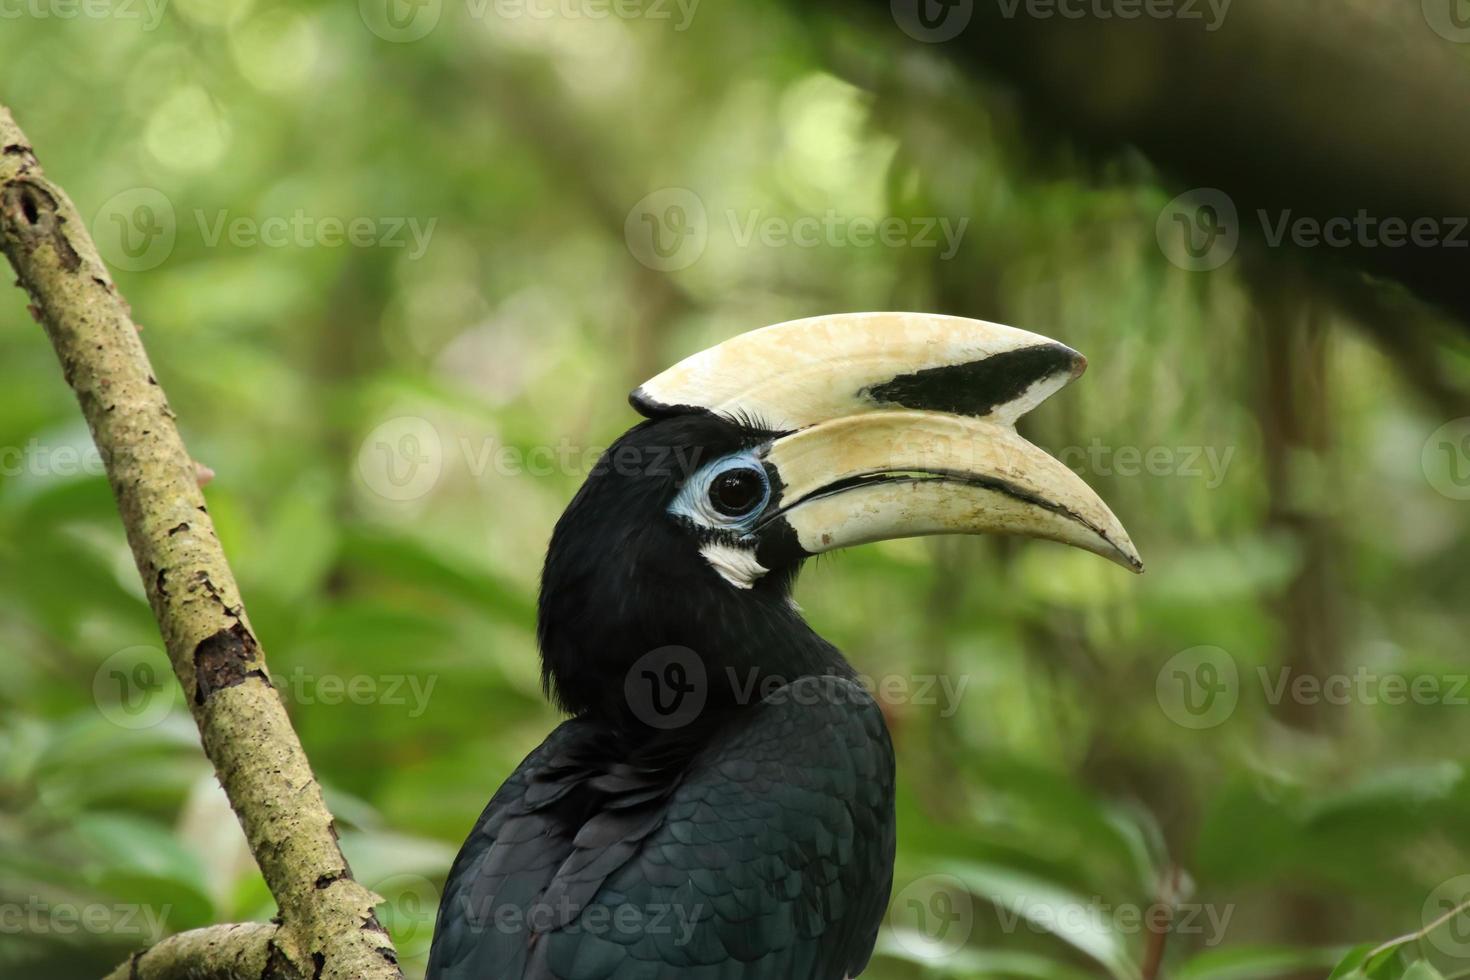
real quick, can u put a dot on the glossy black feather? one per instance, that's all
(769, 855)
(751, 839)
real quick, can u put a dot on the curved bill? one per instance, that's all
(881, 475)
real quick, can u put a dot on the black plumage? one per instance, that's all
(720, 805)
(755, 837)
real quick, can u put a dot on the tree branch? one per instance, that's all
(328, 927)
(216, 953)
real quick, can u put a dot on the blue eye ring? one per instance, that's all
(729, 494)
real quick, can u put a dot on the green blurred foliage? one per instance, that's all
(1044, 806)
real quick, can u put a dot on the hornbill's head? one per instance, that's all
(787, 442)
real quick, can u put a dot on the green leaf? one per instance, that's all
(1063, 913)
(148, 873)
(402, 558)
(988, 964)
(1254, 963)
(1351, 962)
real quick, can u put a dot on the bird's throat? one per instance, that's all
(679, 657)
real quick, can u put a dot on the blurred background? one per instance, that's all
(399, 264)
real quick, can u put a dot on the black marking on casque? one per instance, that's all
(651, 408)
(742, 418)
(977, 388)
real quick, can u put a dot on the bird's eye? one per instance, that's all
(727, 495)
(736, 492)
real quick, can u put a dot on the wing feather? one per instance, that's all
(769, 855)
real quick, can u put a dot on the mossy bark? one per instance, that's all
(216, 953)
(327, 925)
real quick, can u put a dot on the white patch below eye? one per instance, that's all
(735, 565)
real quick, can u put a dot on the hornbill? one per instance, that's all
(720, 803)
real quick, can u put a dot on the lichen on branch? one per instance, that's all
(324, 932)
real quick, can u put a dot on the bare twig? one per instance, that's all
(1159, 921)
